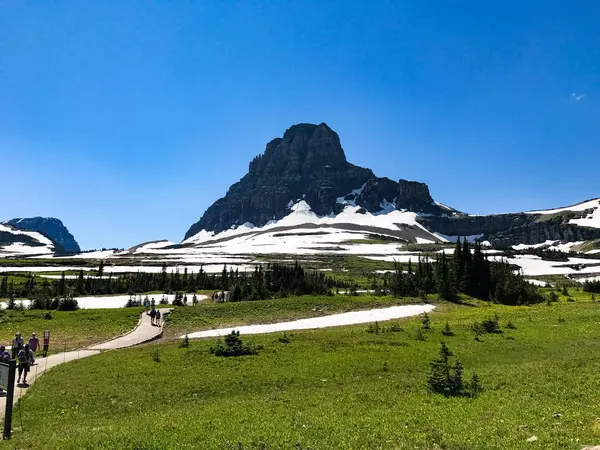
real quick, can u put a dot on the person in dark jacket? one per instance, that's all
(26, 360)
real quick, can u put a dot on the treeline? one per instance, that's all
(271, 280)
(465, 272)
(279, 281)
(592, 286)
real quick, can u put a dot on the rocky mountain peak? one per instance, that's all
(304, 147)
(308, 162)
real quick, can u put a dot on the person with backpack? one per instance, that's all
(25, 358)
(152, 316)
(4, 354)
(157, 321)
(17, 344)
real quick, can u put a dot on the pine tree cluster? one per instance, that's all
(271, 280)
(466, 272)
(592, 286)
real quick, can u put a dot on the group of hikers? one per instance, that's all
(155, 316)
(23, 353)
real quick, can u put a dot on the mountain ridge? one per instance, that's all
(308, 163)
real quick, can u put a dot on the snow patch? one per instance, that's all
(578, 207)
(335, 320)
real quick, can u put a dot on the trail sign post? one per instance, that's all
(46, 342)
(7, 382)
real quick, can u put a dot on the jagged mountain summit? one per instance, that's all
(50, 227)
(308, 163)
(308, 167)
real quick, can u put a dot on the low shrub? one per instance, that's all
(233, 346)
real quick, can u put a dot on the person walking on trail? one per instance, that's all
(152, 316)
(147, 304)
(4, 357)
(26, 360)
(153, 302)
(4, 354)
(157, 320)
(17, 344)
(34, 342)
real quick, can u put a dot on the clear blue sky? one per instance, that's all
(128, 119)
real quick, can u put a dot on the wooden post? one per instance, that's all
(10, 395)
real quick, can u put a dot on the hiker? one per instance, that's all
(34, 342)
(152, 316)
(194, 300)
(25, 357)
(147, 304)
(17, 344)
(153, 303)
(157, 321)
(4, 357)
(4, 354)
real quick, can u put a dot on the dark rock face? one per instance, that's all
(375, 192)
(308, 162)
(465, 225)
(50, 227)
(413, 195)
(504, 230)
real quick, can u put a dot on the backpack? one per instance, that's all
(23, 357)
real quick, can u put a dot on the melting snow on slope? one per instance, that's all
(302, 214)
(591, 221)
(579, 207)
(21, 248)
(351, 202)
(335, 320)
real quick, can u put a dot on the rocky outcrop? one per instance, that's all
(51, 228)
(504, 230)
(542, 231)
(376, 192)
(413, 195)
(307, 163)
(465, 225)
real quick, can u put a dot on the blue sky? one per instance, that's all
(128, 119)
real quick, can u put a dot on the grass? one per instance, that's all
(208, 315)
(336, 388)
(68, 329)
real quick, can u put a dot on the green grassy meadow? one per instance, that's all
(68, 329)
(337, 388)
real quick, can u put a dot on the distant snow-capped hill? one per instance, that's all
(15, 242)
(49, 226)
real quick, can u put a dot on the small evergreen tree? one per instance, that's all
(447, 379)
(426, 322)
(447, 331)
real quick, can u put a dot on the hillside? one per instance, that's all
(51, 227)
(15, 242)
